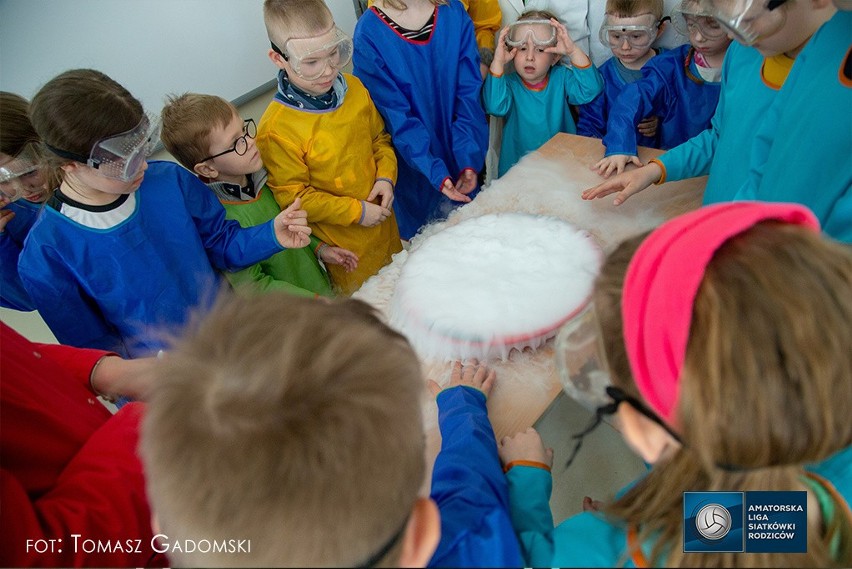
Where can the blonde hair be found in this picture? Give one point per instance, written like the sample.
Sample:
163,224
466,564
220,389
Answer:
187,122
537,15
294,423
401,5
765,385
632,8
286,19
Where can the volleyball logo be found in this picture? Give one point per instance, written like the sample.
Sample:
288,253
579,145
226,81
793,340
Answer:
713,521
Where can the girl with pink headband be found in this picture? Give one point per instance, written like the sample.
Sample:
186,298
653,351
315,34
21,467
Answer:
727,334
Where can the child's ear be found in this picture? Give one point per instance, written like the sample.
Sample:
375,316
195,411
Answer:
206,170
661,29
276,59
422,534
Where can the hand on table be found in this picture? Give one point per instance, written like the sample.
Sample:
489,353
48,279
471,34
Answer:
626,184
525,446
615,164
470,374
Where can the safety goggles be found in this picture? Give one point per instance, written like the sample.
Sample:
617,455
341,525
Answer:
584,374
309,57
120,156
638,36
747,20
540,32
20,176
690,18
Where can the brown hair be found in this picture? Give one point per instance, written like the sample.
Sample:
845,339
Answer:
632,8
536,15
16,130
187,121
765,384
76,109
286,19
294,423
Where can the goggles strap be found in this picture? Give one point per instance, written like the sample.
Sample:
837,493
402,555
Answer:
277,50
69,155
608,409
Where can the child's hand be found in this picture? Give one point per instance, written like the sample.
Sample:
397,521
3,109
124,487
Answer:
503,54
615,164
590,505
626,183
6,215
565,46
451,192
472,374
339,256
525,446
291,226
383,189
373,214
648,126
466,182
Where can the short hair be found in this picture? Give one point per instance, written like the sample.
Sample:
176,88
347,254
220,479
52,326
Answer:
631,8
78,108
537,15
187,122
294,423
16,130
285,19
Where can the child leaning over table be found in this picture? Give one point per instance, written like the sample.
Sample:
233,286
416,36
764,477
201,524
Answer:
533,99
323,141
207,135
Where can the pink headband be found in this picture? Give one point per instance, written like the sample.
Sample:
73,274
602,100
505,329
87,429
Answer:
662,281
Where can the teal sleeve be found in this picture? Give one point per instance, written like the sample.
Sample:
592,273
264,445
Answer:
496,96
583,84
529,504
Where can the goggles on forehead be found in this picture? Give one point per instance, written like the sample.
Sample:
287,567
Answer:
690,17
523,31
584,374
636,36
747,20
120,156
20,176
309,57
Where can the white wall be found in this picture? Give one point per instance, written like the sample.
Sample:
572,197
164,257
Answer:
151,47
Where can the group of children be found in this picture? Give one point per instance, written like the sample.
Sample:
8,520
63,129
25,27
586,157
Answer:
123,249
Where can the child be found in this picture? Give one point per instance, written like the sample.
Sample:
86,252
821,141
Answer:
629,28
323,141
207,135
419,60
719,382
533,99
23,189
752,75
680,86
318,445
811,166
124,248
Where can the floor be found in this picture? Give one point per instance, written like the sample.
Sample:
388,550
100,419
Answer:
603,466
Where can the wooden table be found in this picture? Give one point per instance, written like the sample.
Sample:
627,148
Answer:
547,182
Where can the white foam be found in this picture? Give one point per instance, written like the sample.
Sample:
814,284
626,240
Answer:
493,283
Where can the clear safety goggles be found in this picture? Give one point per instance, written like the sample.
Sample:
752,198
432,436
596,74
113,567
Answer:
120,156
585,377
21,176
747,20
540,32
637,36
690,17
309,57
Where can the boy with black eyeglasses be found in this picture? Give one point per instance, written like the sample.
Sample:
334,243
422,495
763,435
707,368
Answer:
207,135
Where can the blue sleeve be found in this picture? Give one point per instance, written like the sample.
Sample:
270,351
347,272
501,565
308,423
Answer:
646,97
469,487
410,136
469,127
529,498
592,119
12,292
496,95
582,84
229,247
70,313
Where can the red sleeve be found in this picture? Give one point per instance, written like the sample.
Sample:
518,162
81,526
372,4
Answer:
99,497
78,362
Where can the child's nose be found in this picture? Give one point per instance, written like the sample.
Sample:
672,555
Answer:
625,45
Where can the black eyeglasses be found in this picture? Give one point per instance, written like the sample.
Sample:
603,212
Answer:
241,144
618,397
